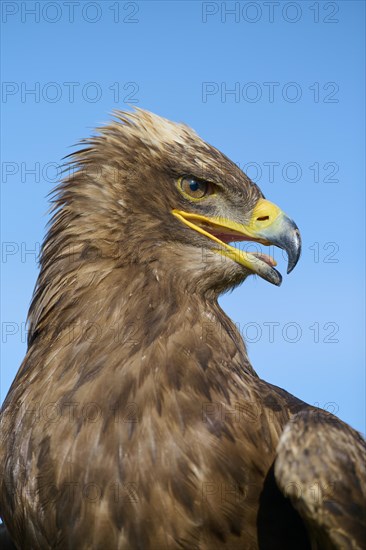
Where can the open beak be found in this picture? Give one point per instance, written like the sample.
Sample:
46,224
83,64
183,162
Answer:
268,225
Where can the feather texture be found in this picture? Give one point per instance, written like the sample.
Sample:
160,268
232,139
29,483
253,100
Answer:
136,420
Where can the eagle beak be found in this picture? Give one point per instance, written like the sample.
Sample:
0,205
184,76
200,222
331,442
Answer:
271,225
268,225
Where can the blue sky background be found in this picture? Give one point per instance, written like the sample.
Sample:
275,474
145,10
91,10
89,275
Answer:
179,59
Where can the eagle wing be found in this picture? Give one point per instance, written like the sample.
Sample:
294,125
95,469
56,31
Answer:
320,467
5,540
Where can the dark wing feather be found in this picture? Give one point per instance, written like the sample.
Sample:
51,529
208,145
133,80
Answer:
320,467
5,540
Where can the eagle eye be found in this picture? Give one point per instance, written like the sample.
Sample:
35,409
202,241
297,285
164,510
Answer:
195,188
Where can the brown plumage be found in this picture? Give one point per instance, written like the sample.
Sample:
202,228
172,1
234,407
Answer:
136,420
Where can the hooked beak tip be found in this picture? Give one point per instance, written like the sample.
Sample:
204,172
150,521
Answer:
293,248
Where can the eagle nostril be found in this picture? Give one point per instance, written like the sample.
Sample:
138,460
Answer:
262,218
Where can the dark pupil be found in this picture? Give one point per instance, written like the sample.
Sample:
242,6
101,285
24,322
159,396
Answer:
194,185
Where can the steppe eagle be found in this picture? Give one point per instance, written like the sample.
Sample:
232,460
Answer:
136,420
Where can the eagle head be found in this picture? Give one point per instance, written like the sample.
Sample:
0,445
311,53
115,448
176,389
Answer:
148,191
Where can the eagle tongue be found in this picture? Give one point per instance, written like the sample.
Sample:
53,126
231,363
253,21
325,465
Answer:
265,258
265,268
